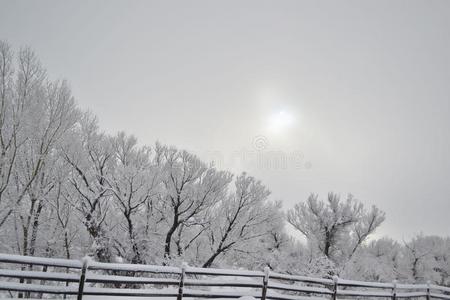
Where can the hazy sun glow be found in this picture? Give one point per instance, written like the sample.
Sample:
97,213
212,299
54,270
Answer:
280,121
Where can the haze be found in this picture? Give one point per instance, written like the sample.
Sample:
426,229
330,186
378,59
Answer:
355,94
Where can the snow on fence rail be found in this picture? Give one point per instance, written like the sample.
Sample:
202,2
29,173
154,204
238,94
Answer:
24,276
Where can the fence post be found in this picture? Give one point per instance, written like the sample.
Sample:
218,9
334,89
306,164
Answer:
265,283
428,290
335,287
82,278
181,286
394,290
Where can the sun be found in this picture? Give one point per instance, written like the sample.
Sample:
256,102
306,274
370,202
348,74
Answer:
280,121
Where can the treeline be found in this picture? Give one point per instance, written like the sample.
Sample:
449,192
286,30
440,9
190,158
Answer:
67,189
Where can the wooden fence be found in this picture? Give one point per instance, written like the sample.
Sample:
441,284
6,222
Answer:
24,276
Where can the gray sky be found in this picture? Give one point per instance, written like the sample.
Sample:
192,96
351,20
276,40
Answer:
354,94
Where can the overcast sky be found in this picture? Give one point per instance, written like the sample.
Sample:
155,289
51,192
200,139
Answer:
308,96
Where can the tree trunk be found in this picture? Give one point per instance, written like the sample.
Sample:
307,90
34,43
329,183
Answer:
170,233
136,259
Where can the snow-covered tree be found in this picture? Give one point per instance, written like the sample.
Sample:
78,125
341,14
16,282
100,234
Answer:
133,182
379,260
190,188
242,218
337,228
90,156
35,115
426,258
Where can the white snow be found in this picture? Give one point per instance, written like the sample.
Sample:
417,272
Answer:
298,288
40,275
55,262
364,293
345,282
301,278
223,272
134,268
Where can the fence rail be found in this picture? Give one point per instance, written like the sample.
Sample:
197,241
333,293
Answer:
21,276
